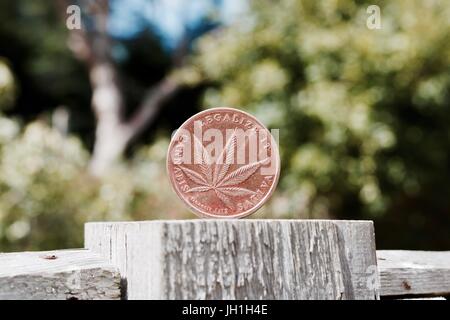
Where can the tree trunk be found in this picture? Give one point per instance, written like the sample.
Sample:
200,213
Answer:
111,136
113,132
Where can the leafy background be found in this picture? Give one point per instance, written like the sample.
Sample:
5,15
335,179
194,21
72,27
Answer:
364,115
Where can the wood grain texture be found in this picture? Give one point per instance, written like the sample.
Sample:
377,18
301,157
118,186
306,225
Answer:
240,259
62,274
414,272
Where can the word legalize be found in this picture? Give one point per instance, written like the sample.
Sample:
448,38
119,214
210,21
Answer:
251,146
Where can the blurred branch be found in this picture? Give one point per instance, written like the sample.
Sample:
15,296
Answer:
158,94
113,133
153,102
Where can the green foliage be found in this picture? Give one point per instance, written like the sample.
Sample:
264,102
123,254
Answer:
363,114
46,195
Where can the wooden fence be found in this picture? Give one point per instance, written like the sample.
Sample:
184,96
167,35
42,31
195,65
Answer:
226,259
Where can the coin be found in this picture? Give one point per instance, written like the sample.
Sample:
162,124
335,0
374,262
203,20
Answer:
223,163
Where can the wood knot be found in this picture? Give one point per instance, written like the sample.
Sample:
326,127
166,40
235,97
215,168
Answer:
406,285
49,257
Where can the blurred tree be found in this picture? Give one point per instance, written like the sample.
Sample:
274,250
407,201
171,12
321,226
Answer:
46,194
93,45
7,86
363,114
126,74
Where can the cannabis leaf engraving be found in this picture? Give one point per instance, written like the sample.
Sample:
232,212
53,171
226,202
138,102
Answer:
216,176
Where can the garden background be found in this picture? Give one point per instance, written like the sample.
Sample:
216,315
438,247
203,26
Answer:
86,114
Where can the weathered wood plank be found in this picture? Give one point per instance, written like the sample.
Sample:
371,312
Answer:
61,274
424,298
414,272
240,259
357,242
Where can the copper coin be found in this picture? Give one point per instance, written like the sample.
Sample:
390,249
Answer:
223,163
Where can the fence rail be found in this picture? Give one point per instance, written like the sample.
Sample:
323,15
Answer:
409,273
226,259
61,274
